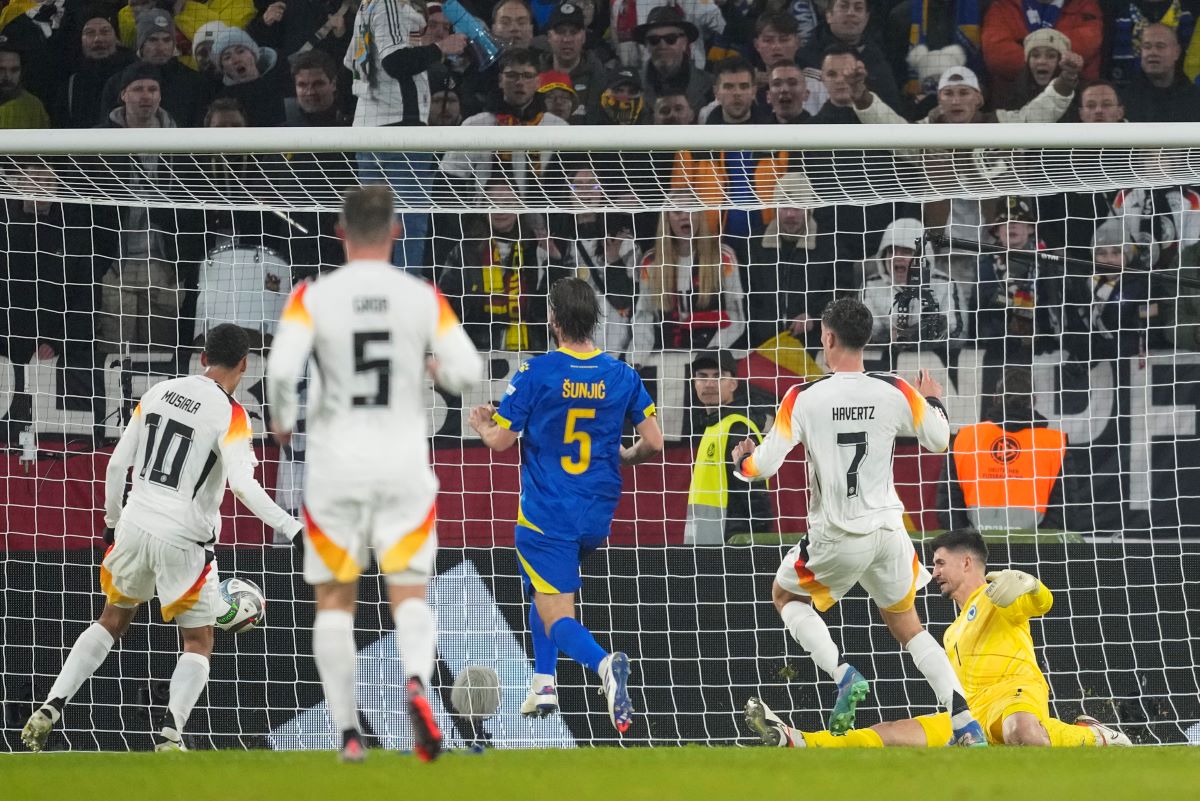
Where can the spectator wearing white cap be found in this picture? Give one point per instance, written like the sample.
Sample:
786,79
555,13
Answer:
1007,23
252,76
1044,50
960,99
202,45
185,94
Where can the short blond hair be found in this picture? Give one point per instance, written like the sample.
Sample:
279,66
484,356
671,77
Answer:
367,214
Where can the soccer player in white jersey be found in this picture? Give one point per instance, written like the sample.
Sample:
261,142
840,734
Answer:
185,438
848,421
373,332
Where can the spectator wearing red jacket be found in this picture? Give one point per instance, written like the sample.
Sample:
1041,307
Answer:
1008,22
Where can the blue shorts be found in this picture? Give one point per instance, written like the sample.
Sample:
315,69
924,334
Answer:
550,565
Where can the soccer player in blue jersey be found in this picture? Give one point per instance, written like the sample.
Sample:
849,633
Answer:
570,405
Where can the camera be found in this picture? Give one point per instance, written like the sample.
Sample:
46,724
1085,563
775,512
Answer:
918,315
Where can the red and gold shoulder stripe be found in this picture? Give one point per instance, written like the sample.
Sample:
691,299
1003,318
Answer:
239,425
447,319
295,311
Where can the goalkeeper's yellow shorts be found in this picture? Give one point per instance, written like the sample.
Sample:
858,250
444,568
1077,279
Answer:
991,714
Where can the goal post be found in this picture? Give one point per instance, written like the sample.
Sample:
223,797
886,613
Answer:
1047,275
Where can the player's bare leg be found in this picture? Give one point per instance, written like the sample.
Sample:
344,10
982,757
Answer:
1023,728
87,654
809,630
930,658
416,640
336,654
557,610
187,682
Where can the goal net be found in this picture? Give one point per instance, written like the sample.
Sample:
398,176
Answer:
1053,291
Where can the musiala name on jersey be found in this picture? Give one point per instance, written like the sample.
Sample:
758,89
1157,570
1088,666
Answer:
181,402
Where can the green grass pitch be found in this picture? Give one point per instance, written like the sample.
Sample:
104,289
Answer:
612,774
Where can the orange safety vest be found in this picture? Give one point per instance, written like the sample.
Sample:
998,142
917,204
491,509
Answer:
998,468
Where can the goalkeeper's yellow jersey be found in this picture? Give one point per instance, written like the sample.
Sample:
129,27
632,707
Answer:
991,648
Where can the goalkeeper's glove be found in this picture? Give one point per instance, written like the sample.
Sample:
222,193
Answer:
1006,586
110,535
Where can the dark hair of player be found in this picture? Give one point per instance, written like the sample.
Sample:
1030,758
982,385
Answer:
962,539
850,321
367,214
226,345
575,308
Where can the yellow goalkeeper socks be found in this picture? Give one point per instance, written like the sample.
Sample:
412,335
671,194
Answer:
855,738
1067,735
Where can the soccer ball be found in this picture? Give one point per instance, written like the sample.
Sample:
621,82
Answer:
244,604
476,693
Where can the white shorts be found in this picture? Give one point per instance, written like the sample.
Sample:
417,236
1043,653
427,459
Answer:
140,566
400,528
824,569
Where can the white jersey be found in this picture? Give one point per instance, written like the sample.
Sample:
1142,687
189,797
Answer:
848,423
369,328
382,27
186,437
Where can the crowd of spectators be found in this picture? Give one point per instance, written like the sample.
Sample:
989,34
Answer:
1087,272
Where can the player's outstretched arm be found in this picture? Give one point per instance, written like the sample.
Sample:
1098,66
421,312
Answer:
285,364
753,461
239,461
649,444
122,459
1018,594
455,364
495,436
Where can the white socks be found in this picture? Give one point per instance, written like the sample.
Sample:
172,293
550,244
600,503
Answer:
932,661
87,654
808,629
416,638
187,682
336,655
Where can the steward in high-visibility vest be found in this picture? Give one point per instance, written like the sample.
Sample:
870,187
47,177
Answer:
1005,472
720,504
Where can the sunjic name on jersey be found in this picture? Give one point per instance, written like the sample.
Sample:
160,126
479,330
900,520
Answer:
571,409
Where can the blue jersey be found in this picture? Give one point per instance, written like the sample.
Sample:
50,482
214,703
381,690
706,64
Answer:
570,409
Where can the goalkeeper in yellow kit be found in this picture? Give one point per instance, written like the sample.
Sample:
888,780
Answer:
991,650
